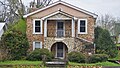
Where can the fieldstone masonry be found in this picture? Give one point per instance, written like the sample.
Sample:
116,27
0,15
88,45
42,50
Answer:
73,44
49,41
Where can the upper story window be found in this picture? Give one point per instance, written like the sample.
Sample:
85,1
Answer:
37,26
82,26
37,45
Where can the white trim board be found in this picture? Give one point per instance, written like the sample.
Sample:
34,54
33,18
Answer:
86,23
64,3
41,25
34,44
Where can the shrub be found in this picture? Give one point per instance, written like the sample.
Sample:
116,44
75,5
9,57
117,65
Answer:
104,43
76,57
98,58
15,42
37,54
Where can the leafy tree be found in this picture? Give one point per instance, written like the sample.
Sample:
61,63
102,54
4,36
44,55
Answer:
16,43
104,43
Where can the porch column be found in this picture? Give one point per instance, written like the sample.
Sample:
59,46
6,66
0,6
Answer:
73,27
45,28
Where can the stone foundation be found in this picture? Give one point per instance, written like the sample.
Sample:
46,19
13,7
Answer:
49,41
73,44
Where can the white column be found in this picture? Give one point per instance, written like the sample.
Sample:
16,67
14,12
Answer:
45,28
73,27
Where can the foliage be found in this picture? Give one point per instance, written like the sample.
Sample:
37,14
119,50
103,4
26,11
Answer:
37,55
98,58
16,43
76,57
104,43
117,57
21,26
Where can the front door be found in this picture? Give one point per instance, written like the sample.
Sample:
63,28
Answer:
60,50
60,29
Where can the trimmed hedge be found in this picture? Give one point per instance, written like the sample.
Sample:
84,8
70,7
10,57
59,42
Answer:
37,54
76,57
98,58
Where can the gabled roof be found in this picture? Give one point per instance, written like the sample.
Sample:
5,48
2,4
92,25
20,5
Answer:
64,3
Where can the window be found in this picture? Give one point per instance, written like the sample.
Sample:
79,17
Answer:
82,26
37,26
37,45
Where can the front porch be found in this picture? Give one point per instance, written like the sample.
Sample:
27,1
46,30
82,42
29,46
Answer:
59,24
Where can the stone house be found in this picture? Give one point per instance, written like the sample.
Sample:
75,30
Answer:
61,28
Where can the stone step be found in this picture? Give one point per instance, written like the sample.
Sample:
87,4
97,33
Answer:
56,64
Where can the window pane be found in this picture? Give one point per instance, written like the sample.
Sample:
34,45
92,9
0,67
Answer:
82,29
37,29
82,26
37,26
38,45
60,25
82,22
37,23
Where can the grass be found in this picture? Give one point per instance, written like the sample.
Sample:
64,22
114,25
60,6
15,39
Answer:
21,26
21,62
25,62
107,64
75,64
96,64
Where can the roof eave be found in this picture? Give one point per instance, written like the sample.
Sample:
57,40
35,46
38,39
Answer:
61,2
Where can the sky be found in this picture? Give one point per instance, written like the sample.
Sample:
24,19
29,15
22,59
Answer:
99,7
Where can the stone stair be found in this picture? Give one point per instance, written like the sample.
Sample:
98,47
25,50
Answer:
56,63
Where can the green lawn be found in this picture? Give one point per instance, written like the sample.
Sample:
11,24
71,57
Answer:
20,62
96,64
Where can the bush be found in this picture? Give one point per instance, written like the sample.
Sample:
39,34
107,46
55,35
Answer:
104,43
37,54
15,42
98,58
76,57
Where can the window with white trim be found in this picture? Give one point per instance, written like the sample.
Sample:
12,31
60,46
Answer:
37,26
82,26
37,45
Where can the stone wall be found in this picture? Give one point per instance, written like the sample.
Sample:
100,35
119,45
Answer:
49,41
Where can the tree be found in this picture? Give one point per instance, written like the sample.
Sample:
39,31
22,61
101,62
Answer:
16,43
12,10
104,43
43,3
40,3
106,21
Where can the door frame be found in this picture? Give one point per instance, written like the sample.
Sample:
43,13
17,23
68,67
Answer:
63,51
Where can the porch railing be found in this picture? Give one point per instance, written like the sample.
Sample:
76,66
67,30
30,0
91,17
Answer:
59,33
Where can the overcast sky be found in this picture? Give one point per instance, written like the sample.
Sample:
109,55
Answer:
99,7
